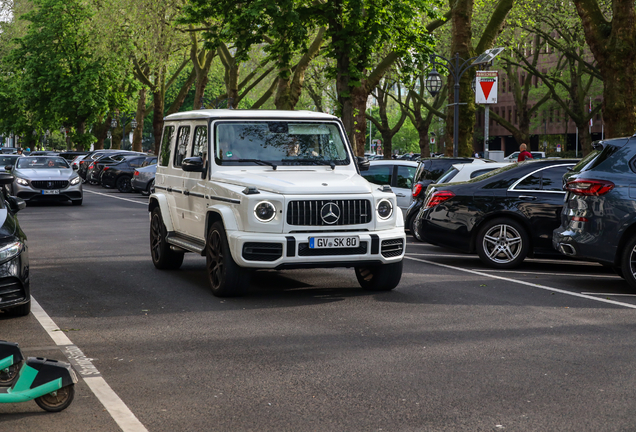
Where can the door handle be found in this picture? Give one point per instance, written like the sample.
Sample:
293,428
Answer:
400,195
527,197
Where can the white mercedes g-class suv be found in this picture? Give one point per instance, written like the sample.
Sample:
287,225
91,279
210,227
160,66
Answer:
270,190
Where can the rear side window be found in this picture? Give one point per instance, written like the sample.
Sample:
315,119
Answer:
553,178
379,174
137,162
437,169
200,143
421,170
168,133
532,182
405,176
448,175
181,147
480,172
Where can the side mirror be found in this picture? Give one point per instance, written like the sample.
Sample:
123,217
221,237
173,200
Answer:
193,164
8,167
363,163
15,204
75,167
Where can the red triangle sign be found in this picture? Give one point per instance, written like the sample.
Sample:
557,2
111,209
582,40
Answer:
486,87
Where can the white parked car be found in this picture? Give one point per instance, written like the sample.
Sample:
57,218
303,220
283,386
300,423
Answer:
270,190
514,157
396,173
464,172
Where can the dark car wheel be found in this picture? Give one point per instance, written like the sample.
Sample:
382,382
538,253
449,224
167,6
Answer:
151,187
227,279
628,262
383,277
410,225
163,257
502,243
123,184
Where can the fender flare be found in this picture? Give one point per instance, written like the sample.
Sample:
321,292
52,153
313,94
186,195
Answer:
224,213
159,200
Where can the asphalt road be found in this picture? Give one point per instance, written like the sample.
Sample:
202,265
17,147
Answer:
456,346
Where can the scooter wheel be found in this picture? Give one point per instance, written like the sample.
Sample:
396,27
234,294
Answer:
58,402
6,378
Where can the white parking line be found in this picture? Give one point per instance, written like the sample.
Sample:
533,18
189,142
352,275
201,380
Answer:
532,260
543,287
84,366
116,197
551,274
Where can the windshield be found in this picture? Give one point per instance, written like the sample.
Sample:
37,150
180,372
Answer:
42,162
279,143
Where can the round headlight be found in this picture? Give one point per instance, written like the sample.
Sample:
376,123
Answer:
265,211
384,209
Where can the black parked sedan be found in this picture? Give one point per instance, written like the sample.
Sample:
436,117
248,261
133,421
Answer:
598,221
120,174
504,215
15,295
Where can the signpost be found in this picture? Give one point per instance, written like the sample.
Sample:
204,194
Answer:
486,87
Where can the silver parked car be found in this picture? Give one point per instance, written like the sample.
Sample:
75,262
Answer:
46,178
144,179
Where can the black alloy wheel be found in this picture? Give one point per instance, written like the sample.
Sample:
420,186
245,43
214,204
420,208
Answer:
57,400
227,279
124,184
502,243
382,277
163,257
628,262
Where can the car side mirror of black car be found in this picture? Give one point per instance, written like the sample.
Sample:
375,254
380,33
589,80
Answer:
363,163
15,204
193,164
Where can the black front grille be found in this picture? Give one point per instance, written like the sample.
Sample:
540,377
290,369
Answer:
304,250
308,213
392,248
49,184
262,251
11,290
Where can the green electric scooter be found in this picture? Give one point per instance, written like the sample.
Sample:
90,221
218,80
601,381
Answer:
50,382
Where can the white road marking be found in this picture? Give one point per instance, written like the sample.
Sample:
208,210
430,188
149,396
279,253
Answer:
610,294
116,197
532,260
84,366
530,272
543,287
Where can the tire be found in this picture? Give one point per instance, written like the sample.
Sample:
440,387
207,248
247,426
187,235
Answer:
163,257
383,277
58,401
410,224
20,311
123,184
151,187
227,279
628,262
77,202
6,378
502,243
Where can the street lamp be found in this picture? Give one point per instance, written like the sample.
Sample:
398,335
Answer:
456,67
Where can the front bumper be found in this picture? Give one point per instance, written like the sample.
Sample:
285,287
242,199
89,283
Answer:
30,193
288,251
14,281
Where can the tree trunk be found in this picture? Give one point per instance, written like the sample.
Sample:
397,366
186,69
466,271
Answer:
360,96
139,118
157,114
102,132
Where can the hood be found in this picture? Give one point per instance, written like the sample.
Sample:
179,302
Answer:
44,173
299,182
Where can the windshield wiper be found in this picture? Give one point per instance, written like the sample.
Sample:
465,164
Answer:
311,161
260,162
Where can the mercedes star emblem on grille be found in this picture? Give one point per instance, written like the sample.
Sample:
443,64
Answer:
330,213
50,184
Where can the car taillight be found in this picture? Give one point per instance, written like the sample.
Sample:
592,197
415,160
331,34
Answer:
81,162
136,172
589,187
105,168
438,198
416,190
579,219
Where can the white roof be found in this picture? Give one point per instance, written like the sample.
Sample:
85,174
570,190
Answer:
394,162
249,114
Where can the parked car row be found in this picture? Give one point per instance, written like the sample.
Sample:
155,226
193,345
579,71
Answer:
114,168
582,209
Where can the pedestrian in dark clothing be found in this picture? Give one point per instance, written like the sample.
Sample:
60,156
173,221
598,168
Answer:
523,153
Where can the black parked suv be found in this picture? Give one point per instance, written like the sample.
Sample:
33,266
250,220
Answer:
120,174
598,221
428,171
504,215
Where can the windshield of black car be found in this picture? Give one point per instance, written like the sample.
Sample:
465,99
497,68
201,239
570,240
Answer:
42,162
280,143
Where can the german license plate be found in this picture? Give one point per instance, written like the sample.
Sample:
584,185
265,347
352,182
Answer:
51,192
333,242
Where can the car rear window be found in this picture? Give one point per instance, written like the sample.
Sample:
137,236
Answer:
448,175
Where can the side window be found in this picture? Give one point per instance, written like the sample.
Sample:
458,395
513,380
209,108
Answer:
168,132
379,174
479,172
181,146
200,143
532,182
437,169
137,162
405,176
553,178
